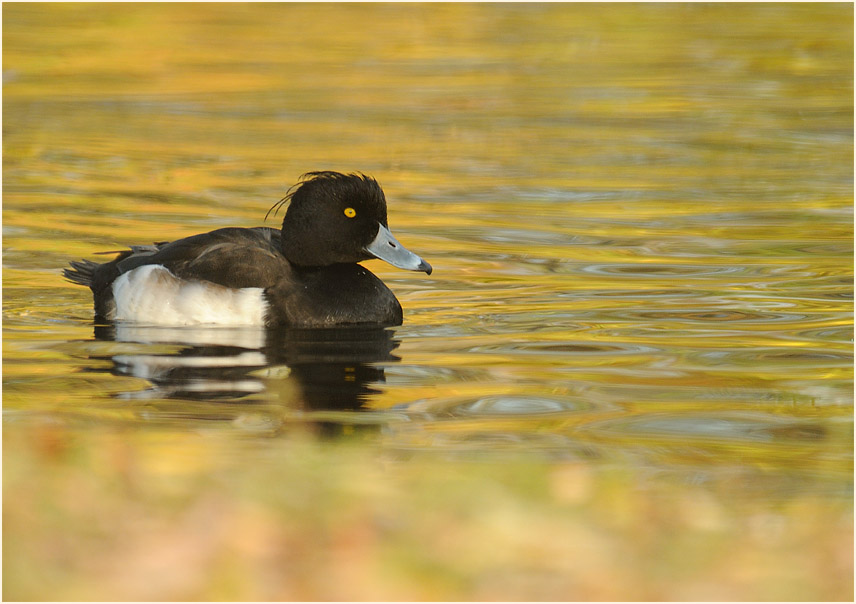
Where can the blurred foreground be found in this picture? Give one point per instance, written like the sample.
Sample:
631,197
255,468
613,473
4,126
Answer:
135,515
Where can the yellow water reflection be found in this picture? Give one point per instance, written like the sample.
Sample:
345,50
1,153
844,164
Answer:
636,345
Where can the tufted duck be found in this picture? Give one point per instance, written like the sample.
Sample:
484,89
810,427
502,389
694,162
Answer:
305,275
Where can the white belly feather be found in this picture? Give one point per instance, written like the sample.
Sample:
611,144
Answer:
152,294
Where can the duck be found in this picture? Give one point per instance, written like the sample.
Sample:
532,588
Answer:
306,274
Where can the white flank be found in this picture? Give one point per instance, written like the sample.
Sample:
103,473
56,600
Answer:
151,294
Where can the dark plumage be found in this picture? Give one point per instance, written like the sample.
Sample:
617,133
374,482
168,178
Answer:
306,274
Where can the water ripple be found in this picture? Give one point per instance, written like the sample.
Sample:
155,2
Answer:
746,427
646,270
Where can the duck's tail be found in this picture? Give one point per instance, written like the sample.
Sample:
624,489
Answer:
81,272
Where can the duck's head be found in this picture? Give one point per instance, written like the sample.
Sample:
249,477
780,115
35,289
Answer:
338,218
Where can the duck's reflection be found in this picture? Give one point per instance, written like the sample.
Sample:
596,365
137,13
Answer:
319,369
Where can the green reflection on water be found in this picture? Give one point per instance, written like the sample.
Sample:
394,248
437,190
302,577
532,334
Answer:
640,218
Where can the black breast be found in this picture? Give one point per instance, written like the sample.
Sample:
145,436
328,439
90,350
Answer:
339,294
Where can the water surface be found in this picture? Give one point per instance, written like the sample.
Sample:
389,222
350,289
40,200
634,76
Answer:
639,217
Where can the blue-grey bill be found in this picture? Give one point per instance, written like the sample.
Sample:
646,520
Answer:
387,248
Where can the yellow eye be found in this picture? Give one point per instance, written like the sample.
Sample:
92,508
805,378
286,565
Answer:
350,212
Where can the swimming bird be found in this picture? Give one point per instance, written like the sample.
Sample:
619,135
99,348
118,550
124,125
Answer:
303,275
